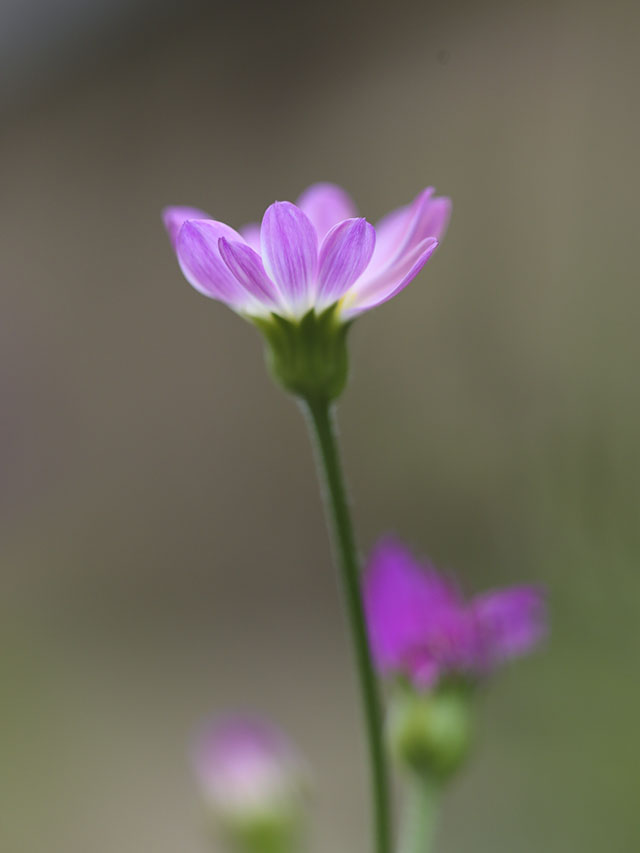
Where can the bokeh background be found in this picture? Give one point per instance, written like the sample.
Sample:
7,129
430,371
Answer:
163,554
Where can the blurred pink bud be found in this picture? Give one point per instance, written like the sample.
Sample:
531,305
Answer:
252,778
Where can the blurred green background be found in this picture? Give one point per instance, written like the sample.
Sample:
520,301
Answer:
163,549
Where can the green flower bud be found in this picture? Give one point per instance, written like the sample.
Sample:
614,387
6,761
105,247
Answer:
267,832
430,733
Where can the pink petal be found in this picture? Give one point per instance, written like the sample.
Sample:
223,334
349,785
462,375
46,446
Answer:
174,217
400,231
290,253
326,204
370,292
344,256
401,598
246,266
425,673
251,234
247,767
430,217
389,233
204,269
510,622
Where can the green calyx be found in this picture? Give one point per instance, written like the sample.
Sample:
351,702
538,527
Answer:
264,833
430,733
308,356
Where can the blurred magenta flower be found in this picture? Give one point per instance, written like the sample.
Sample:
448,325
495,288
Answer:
421,627
310,255
248,770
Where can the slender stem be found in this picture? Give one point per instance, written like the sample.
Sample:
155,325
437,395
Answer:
321,426
420,816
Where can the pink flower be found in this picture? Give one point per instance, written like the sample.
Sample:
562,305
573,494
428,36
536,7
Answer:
310,255
421,627
247,768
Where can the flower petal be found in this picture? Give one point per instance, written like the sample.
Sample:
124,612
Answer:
247,767
425,672
344,256
400,599
370,292
389,233
290,253
251,235
326,204
429,217
174,217
246,266
401,230
510,622
204,269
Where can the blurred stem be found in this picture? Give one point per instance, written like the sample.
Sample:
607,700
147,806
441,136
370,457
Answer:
420,816
322,428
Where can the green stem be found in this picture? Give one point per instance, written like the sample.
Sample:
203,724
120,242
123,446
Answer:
420,816
321,425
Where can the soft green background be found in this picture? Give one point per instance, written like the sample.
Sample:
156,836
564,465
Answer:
163,554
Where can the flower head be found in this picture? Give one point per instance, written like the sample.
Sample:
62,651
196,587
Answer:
246,764
307,256
252,780
420,626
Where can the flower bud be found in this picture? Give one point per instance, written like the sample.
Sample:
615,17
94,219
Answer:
430,733
253,784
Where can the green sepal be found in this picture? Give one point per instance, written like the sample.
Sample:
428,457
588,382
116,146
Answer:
276,832
308,356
